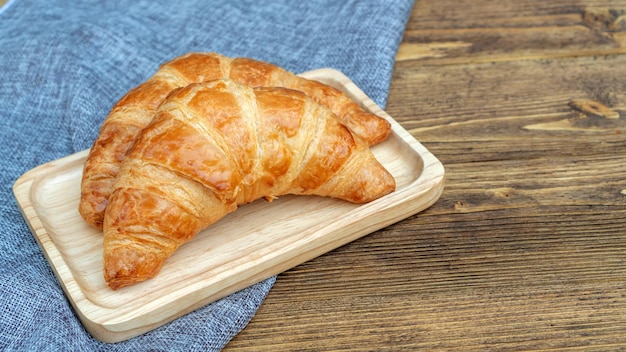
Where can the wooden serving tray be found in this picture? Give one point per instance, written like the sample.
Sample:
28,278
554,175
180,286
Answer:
255,242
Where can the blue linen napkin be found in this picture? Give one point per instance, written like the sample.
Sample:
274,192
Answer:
63,64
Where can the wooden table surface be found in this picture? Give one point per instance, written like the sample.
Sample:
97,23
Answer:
524,102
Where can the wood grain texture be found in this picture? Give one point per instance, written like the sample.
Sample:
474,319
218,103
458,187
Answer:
525,104
455,32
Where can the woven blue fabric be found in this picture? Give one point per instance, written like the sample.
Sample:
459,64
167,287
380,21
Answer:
63,64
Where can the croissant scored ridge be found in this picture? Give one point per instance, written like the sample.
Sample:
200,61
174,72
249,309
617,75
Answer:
214,146
135,110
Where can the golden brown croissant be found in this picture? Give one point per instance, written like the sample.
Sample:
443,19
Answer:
135,110
214,146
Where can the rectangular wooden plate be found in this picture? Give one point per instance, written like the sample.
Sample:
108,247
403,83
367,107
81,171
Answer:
255,242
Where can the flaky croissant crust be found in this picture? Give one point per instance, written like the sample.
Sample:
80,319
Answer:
135,110
214,146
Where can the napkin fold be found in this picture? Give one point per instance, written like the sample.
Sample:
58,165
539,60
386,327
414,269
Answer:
63,64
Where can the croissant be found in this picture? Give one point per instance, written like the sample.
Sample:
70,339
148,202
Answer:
214,146
135,110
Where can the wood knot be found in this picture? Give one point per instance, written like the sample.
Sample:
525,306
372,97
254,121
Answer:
604,19
461,205
590,115
503,193
593,108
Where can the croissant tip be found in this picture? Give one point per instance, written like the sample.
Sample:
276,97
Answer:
372,128
128,265
92,212
383,136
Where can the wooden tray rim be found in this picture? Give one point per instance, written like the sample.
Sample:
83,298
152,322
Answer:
427,187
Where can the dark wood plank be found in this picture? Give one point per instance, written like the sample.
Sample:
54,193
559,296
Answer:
515,109
525,248
449,31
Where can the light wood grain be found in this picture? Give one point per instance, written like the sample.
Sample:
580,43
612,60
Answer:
523,101
257,241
